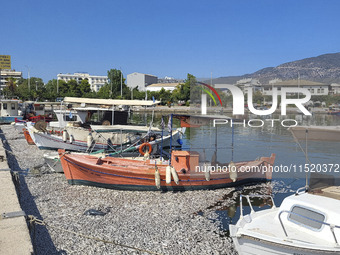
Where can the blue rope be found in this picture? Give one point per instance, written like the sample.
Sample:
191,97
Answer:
170,139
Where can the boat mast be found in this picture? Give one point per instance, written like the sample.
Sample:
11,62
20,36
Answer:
306,154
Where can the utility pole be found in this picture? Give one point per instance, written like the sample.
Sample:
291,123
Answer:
298,83
28,78
121,83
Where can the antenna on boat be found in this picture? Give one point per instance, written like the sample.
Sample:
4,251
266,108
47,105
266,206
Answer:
232,143
306,154
162,125
305,151
170,137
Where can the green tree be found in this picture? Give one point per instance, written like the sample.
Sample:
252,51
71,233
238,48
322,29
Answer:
116,84
52,86
164,96
114,76
182,91
84,87
31,89
38,89
74,89
63,88
104,92
11,88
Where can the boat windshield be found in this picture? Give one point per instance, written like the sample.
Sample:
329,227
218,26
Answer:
309,223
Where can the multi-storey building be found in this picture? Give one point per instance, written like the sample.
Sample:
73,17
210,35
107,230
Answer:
95,81
6,74
315,88
140,80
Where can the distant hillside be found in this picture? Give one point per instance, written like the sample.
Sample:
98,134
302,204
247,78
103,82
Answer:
324,68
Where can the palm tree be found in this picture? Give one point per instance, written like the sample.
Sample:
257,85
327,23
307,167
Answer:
11,87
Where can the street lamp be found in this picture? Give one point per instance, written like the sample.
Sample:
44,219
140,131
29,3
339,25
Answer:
121,83
28,77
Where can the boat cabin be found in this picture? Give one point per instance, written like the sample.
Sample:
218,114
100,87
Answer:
9,107
306,213
185,160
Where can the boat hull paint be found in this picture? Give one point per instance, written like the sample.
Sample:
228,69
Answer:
28,138
9,119
164,188
132,174
253,246
46,141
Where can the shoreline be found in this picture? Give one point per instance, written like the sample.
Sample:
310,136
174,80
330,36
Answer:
217,110
163,223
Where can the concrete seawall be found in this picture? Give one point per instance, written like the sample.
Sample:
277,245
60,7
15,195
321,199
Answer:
14,234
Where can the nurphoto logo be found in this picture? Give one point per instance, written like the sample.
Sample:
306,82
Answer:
238,100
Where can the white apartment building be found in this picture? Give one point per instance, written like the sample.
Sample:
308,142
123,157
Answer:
5,74
140,80
335,89
315,88
95,81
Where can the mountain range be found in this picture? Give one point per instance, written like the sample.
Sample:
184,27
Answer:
324,68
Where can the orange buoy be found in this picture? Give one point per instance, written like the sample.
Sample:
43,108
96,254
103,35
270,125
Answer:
141,148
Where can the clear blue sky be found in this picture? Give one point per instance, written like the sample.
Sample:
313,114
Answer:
170,38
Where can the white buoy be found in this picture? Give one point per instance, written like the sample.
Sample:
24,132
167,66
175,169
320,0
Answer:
65,136
157,178
207,171
232,171
89,140
168,174
174,175
146,155
71,138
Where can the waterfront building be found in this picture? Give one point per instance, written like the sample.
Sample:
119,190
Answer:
159,86
315,88
95,81
140,80
6,74
245,83
335,89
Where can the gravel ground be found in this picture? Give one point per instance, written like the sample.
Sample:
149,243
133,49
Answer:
162,223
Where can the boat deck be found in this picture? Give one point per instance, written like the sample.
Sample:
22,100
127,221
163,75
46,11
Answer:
272,231
331,192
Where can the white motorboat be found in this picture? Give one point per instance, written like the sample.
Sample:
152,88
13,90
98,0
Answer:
306,223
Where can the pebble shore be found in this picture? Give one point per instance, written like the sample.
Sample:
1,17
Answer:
147,222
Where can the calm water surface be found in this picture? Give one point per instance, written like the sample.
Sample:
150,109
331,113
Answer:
246,143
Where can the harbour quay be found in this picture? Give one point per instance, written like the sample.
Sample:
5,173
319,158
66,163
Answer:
14,233
71,219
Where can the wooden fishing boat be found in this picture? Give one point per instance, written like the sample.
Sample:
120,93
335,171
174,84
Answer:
184,171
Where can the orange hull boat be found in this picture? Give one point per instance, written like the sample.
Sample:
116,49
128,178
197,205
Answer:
28,137
133,174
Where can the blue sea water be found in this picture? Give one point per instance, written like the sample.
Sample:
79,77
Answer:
248,143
